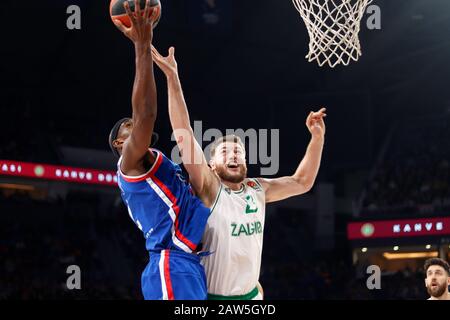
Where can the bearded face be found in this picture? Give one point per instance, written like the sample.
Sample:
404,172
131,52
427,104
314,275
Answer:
437,281
229,162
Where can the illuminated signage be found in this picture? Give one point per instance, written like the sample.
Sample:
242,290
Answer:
398,228
59,173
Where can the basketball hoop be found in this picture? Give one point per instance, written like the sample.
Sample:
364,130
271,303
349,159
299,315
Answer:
333,28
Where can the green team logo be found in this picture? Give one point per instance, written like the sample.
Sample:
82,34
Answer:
252,207
39,171
367,230
247,229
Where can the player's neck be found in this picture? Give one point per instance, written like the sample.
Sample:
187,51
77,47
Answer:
233,186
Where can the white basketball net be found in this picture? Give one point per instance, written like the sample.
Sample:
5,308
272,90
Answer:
333,27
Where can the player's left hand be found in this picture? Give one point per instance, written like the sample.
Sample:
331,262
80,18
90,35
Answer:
168,64
315,123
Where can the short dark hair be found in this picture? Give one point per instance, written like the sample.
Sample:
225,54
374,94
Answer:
228,138
115,132
113,136
436,262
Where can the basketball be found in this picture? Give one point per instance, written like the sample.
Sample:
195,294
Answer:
117,10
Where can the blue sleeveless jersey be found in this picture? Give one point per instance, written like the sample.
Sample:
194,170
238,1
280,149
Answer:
162,205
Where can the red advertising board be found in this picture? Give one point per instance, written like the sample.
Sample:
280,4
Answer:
60,173
398,228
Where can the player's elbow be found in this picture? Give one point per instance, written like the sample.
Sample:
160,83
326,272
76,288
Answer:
149,115
308,186
304,183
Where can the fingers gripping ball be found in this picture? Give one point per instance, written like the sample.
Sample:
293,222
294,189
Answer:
117,10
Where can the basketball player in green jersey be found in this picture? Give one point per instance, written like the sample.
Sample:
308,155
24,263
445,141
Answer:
234,232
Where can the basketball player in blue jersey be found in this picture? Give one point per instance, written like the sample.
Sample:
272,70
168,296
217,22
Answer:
158,199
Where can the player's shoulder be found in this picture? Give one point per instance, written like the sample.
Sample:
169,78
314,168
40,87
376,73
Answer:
254,184
165,167
157,153
158,160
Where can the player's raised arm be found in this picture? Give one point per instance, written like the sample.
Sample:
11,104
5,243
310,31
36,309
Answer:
304,177
204,181
144,100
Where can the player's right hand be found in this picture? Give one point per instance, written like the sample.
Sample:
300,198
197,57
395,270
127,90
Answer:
168,64
141,29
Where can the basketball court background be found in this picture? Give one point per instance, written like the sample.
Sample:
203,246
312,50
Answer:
242,65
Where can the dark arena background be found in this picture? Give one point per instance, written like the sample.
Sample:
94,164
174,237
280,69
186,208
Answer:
382,196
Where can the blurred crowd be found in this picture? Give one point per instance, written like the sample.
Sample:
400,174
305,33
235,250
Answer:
37,136
292,269
320,279
413,177
40,240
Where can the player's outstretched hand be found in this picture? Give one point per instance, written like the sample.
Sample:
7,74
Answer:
141,29
168,64
315,123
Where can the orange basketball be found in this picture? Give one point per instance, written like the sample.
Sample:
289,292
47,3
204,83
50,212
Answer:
117,10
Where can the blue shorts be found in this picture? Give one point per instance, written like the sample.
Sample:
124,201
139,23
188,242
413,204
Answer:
174,275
